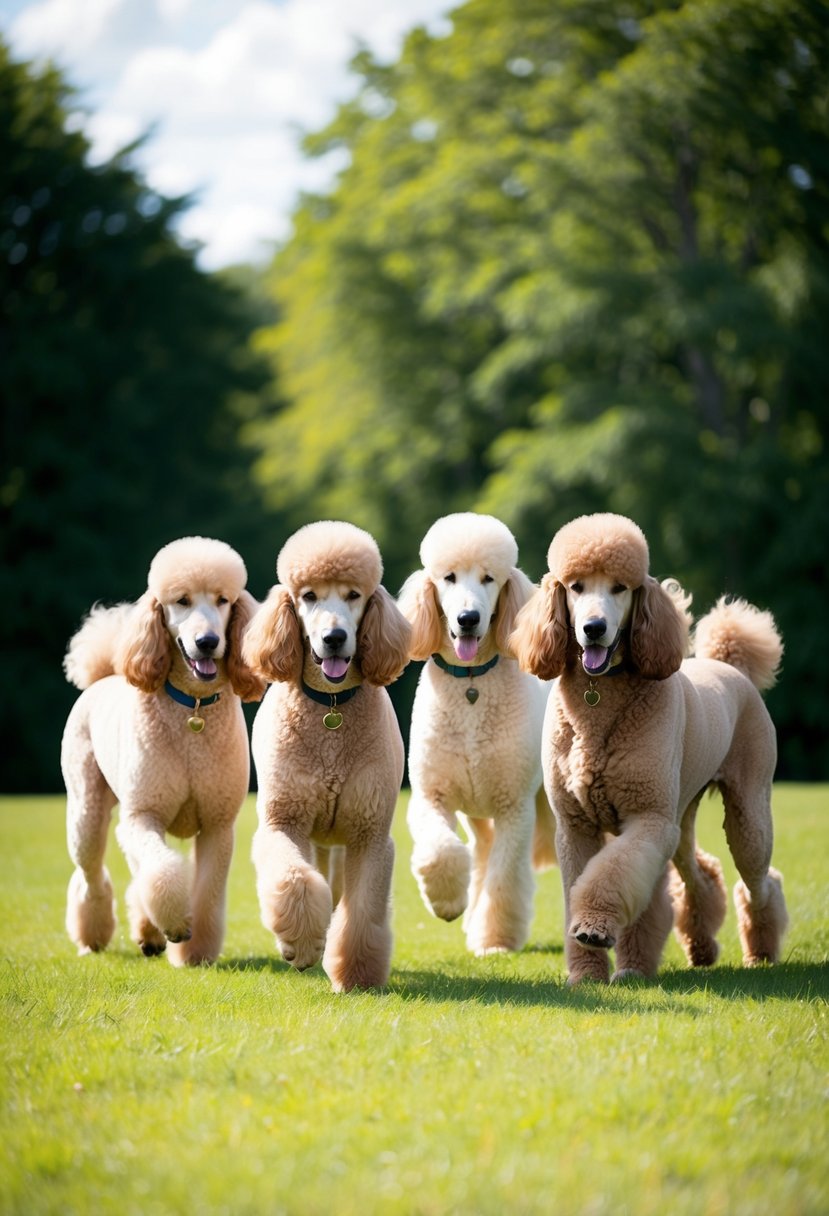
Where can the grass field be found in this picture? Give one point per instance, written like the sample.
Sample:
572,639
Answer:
467,1086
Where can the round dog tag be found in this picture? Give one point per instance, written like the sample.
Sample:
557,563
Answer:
333,720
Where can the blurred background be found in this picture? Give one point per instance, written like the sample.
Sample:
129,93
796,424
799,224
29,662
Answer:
265,263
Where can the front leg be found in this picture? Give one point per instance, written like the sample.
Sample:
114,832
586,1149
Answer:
159,896
618,883
440,859
575,849
500,918
358,951
294,898
214,850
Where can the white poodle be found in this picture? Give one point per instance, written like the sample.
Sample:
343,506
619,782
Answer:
475,743
159,729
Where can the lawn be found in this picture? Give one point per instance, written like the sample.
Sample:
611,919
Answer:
468,1086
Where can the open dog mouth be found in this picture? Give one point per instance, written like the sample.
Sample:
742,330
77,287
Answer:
203,668
334,667
595,660
466,645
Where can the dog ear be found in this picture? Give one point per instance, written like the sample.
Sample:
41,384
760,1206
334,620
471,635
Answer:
272,643
383,639
418,601
541,635
145,653
245,683
658,632
515,593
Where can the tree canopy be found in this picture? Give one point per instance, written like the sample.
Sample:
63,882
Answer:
577,261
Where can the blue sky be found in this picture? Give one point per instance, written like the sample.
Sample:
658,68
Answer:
225,86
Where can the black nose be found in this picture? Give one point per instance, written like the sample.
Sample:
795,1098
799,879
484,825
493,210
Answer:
334,638
468,619
595,628
207,641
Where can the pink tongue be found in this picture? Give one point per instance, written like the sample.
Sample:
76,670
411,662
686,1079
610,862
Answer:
594,657
466,648
334,668
205,667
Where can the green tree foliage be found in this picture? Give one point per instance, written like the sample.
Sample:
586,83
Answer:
577,261
124,377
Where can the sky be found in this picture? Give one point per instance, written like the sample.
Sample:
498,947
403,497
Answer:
225,87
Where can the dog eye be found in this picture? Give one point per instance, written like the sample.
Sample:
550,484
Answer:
577,588
488,578
618,589
309,596
353,595
184,601
222,600
449,578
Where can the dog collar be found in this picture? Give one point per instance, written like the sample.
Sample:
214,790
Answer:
333,720
469,673
195,722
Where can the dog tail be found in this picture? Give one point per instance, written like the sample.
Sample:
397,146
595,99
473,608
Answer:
737,633
92,651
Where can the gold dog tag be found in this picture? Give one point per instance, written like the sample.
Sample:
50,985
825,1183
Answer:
333,720
196,724
592,696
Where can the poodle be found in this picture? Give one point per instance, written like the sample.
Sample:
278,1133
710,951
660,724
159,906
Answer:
634,735
159,729
475,743
328,752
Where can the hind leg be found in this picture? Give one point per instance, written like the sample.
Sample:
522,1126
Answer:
758,895
639,949
699,896
90,906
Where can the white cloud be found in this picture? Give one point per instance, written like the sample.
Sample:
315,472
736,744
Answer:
225,86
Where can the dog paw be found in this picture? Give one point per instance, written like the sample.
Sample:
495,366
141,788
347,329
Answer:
150,949
182,933
626,973
301,954
597,936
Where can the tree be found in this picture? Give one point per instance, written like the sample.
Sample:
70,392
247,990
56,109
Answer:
126,374
578,261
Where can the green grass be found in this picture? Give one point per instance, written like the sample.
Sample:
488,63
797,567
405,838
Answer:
467,1086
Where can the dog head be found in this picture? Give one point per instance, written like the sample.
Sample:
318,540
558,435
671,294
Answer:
598,604
465,599
329,615
191,619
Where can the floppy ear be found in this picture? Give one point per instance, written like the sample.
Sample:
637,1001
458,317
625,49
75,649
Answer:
145,652
541,635
658,632
418,601
515,593
383,639
272,643
245,683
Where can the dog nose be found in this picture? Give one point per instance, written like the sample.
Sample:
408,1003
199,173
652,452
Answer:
207,641
595,628
469,619
334,638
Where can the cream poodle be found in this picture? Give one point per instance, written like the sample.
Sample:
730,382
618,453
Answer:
634,736
475,744
160,730
328,751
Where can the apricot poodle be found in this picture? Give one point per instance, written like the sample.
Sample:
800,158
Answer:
328,751
634,735
159,729
475,742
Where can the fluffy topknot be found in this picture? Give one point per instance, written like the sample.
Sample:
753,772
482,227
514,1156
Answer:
330,551
196,563
608,543
467,539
